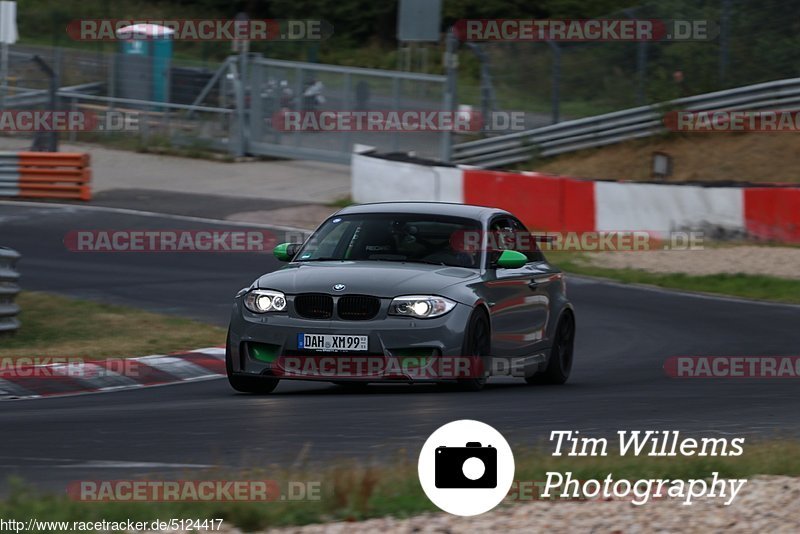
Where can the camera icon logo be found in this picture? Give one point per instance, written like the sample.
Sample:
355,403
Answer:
472,466
466,467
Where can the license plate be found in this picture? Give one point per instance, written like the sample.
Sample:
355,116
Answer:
332,342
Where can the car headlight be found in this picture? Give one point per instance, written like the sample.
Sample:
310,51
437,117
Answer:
421,306
264,300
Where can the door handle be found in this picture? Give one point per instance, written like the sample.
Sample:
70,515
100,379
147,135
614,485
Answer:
536,282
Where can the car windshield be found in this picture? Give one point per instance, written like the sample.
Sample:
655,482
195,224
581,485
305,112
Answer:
408,238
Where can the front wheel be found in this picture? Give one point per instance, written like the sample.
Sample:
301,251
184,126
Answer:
247,384
253,384
477,342
560,364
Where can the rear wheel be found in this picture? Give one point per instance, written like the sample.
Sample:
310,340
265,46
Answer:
477,342
247,384
560,364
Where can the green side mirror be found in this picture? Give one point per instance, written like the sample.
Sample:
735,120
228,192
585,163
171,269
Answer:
511,259
285,251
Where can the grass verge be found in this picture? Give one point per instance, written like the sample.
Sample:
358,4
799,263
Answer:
53,325
342,202
723,157
748,286
352,491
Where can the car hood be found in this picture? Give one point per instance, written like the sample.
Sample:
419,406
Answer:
380,279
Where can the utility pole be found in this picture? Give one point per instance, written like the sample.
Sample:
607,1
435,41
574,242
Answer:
8,35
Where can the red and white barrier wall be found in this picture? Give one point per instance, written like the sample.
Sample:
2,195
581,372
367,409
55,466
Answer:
560,203
376,179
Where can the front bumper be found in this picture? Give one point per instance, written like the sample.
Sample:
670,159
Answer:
392,341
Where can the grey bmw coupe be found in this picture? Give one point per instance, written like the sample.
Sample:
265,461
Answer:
405,292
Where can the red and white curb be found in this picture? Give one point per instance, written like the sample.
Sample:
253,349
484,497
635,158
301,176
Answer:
111,375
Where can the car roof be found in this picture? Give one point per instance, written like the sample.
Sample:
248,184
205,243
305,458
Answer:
452,209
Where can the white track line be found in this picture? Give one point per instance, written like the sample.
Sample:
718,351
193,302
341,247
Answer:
683,293
126,211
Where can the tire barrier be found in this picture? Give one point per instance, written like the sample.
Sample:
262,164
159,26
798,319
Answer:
57,175
9,289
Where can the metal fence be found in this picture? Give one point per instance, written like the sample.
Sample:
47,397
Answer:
99,83
618,126
753,41
8,290
227,106
284,85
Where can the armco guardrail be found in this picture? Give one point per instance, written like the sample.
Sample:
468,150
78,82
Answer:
45,175
620,126
8,290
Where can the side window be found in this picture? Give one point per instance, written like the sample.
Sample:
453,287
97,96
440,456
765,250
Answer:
501,233
525,242
510,234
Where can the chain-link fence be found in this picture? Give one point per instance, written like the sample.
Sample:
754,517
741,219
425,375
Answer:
281,86
230,106
163,99
754,41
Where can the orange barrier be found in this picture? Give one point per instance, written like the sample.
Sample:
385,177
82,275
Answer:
54,175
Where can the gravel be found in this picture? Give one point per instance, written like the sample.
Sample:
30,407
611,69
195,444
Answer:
782,262
765,504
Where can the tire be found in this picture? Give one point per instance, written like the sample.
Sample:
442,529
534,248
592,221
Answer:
477,342
260,385
561,354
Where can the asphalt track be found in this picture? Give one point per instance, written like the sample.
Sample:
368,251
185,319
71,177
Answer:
624,336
